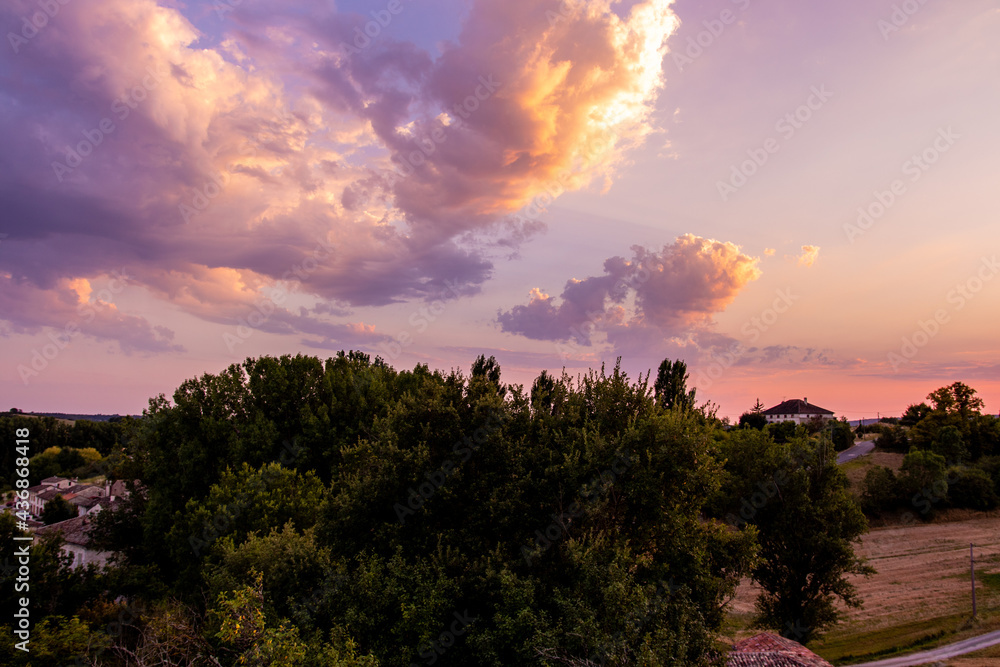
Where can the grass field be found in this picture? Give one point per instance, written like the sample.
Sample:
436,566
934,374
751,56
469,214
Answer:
921,596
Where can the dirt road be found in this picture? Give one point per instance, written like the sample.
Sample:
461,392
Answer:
941,653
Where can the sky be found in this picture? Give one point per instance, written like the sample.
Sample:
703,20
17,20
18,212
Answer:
796,199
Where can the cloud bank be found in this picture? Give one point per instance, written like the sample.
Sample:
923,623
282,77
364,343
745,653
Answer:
211,159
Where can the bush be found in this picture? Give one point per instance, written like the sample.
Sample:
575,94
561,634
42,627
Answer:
862,429
991,466
893,439
922,481
972,489
879,490
842,435
782,432
753,420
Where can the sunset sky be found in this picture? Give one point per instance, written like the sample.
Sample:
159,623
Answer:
798,199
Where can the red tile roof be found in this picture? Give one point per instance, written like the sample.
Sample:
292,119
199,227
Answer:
770,650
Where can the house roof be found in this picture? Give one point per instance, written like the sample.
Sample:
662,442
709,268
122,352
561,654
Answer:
84,490
53,480
49,494
770,650
797,406
74,530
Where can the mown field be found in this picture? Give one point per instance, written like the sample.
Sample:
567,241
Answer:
921,596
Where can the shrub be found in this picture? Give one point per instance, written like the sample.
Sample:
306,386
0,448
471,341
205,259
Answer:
972,489
893,439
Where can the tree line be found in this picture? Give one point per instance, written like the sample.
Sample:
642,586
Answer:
300,511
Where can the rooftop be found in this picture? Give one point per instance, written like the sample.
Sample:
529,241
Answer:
74,531
770,650
797,406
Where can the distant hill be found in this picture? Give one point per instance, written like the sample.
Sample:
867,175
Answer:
67,417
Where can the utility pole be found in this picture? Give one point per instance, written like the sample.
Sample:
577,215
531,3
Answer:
972,570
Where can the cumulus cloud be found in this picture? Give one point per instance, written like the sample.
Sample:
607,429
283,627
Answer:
650,296
213,166
73,309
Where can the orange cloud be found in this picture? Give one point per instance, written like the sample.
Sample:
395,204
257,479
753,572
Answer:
809,255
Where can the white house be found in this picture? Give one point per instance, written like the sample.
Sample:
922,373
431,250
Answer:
49,488
77,541
798,410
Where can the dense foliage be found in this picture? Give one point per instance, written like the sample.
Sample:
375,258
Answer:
300,512
952,450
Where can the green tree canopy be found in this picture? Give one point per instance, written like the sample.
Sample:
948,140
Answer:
58,509
670,387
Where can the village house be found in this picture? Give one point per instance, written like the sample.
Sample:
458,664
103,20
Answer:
77,540
798,410
83,496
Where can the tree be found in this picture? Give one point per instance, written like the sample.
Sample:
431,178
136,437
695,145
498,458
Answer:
971,488
841,434
914,414
950,445
922,481
808,524
670,387
758,408
58,509
958,398
753,420
893,439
